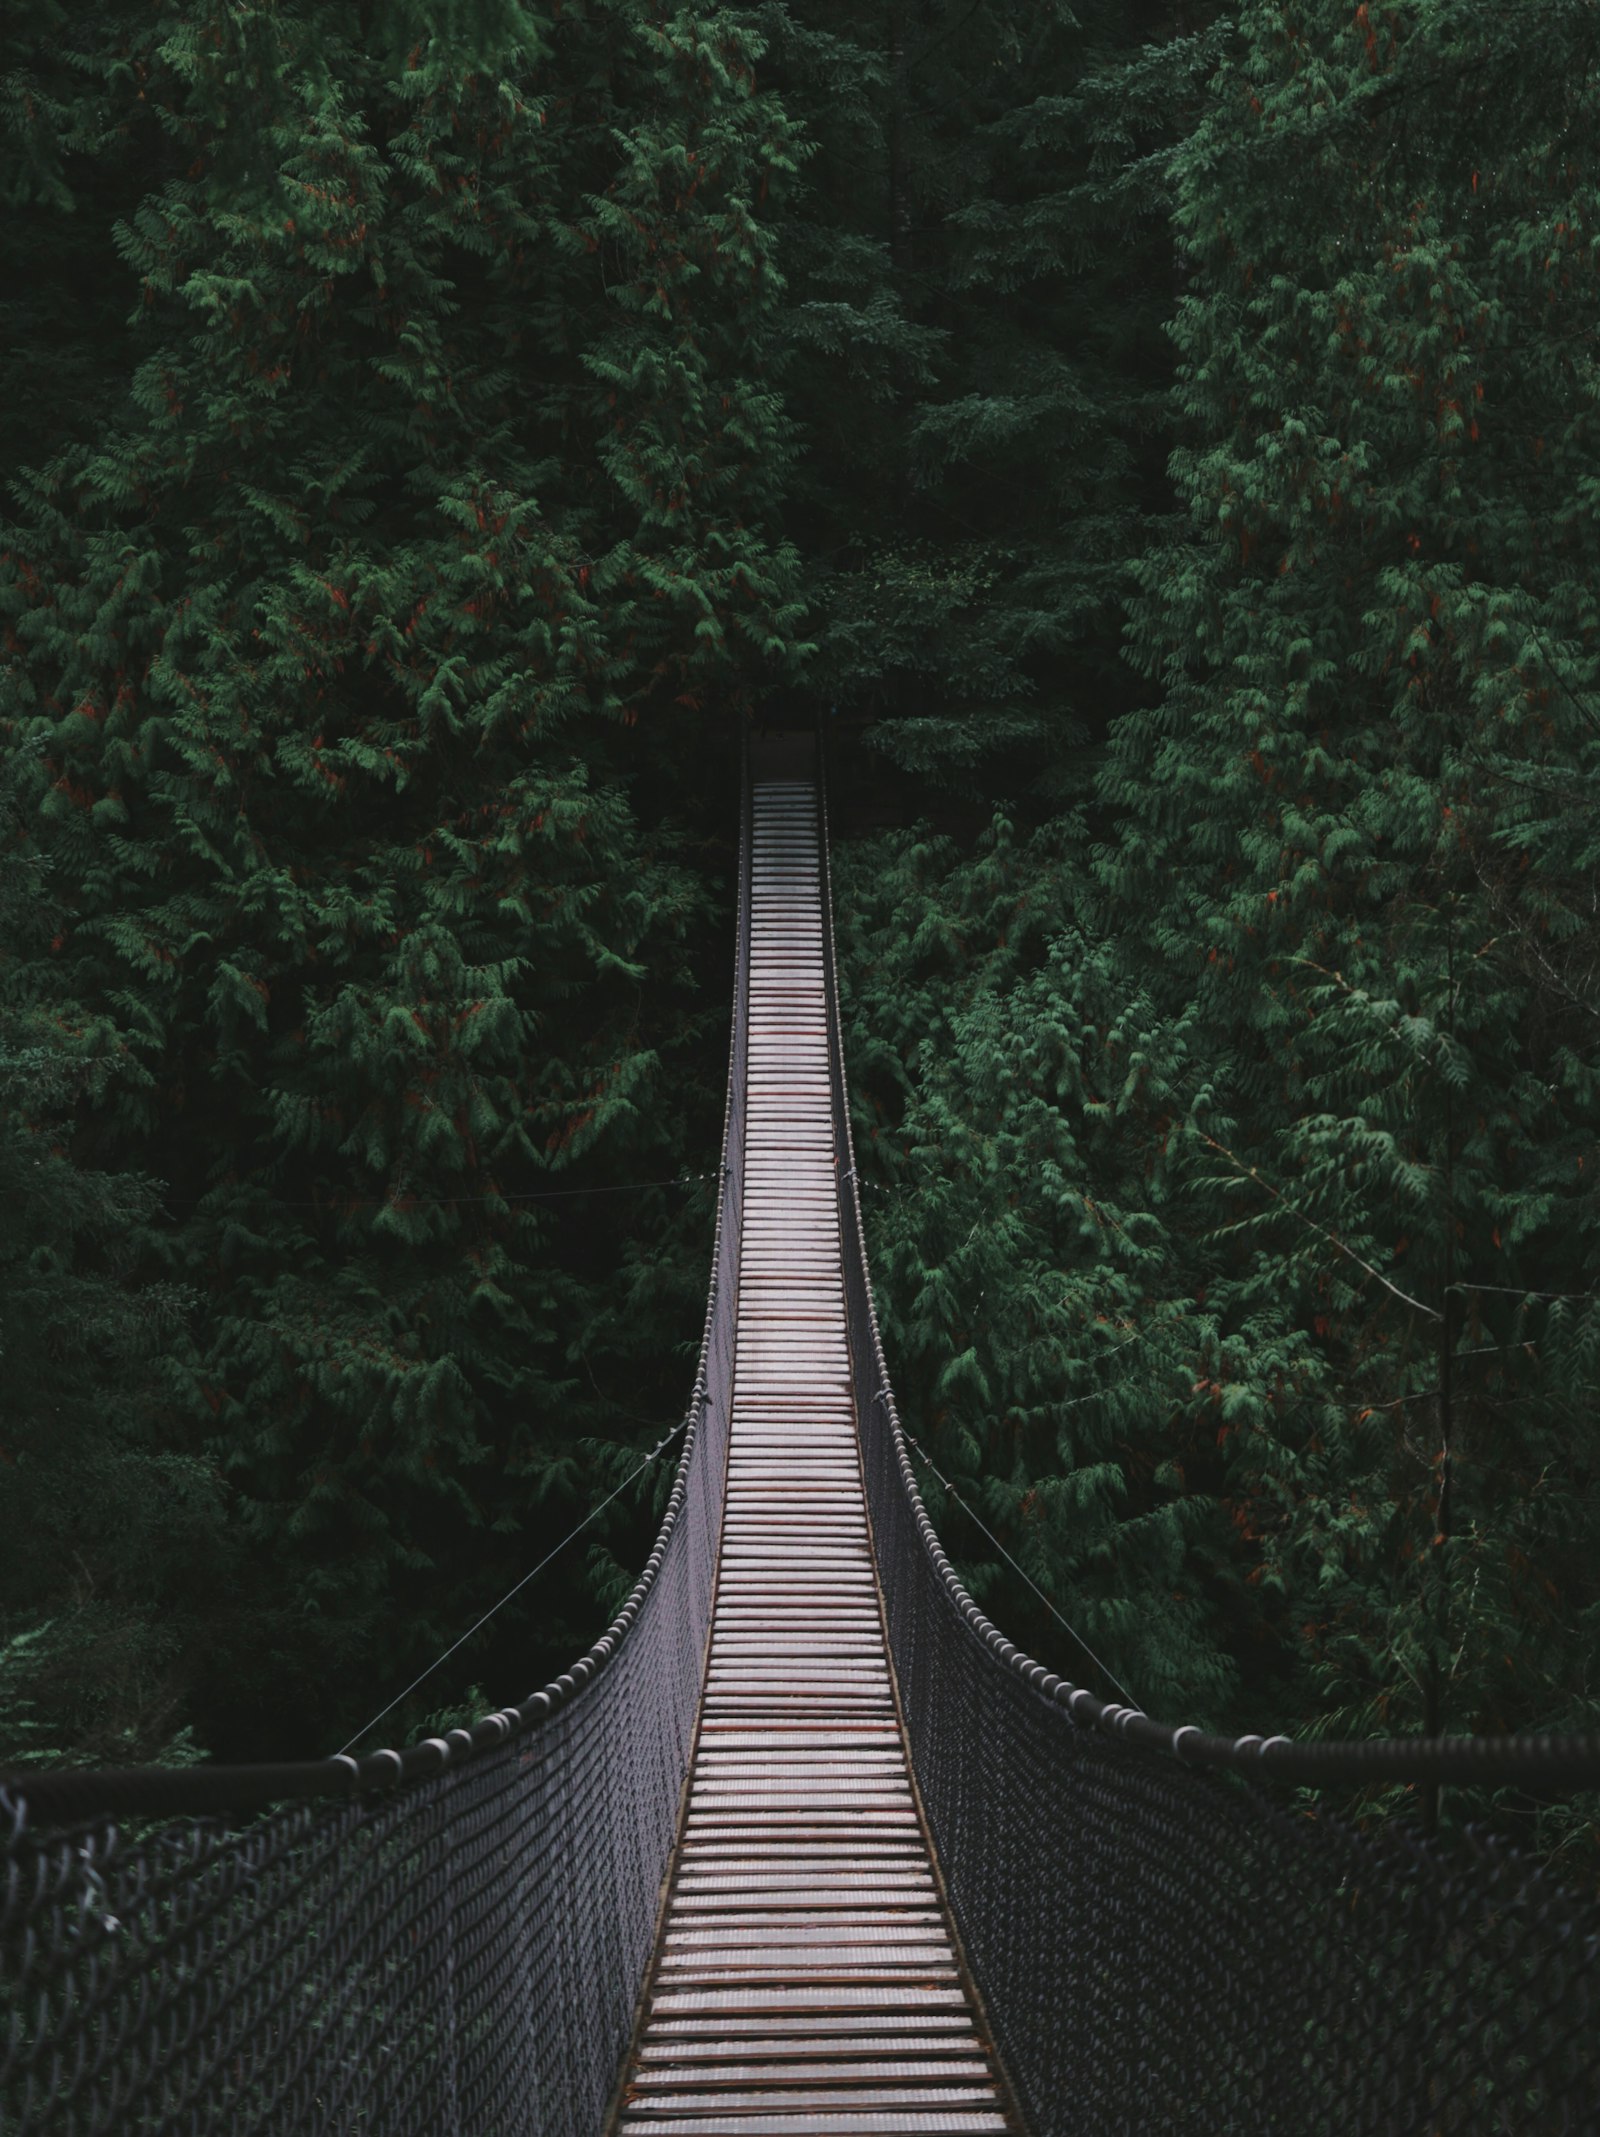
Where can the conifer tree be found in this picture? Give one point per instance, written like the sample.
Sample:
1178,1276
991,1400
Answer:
976,360
1306,1053
97,1622
366,659
1037,1306
1364,796
1002,1063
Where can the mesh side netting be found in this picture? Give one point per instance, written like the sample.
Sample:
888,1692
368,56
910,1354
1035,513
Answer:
459,1953
1161,1949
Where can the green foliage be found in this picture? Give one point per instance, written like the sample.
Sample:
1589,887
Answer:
356,673
1292,1091
100,1514
1030,1288
975,357
1377,645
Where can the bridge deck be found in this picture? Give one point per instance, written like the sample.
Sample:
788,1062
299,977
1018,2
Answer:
806,1980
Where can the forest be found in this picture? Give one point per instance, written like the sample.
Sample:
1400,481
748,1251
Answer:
1158,443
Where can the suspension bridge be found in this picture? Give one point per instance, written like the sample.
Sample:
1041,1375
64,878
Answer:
802,1846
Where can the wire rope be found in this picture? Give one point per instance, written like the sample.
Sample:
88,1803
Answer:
972,1515
655,1452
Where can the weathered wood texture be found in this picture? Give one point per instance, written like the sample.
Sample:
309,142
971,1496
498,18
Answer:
806,1980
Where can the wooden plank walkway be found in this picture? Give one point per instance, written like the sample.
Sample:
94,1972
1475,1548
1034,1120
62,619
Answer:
806,1981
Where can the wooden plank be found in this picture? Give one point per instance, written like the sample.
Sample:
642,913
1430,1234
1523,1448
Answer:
818,2122
798,2071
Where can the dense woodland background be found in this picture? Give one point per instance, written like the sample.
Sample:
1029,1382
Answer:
1161,438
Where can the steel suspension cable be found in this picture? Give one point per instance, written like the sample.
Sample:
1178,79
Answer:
977,1519
593,1514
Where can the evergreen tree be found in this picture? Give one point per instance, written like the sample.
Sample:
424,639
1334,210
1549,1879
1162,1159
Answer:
976,362
1364,793
1306,1052
1011,1087
402,536
97,1623
1037,1308
366,659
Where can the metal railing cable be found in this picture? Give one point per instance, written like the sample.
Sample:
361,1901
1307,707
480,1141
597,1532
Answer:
1161,1944
1021,1571
442,1941
647,1461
